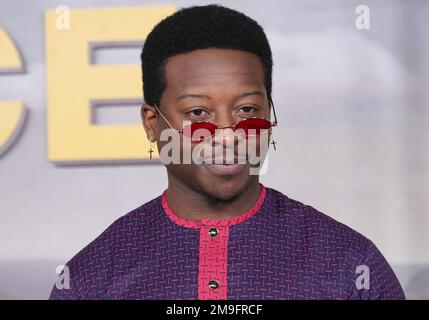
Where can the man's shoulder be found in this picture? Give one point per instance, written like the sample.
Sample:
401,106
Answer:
316,226
135,220
333,245
100,253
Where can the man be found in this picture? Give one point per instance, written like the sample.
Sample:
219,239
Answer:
216,232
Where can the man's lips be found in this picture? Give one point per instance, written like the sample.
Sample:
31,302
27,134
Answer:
226,166
225,169
226,161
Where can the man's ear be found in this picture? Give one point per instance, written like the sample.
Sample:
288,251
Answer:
149,117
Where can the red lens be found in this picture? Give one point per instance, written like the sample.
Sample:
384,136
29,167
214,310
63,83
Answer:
199,131
253,126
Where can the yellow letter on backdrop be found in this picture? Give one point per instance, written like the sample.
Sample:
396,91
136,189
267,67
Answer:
12,113
73,82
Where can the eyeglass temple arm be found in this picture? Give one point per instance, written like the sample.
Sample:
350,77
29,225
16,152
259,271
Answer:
274,112
165,119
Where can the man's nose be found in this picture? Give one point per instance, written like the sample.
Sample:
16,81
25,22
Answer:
225,135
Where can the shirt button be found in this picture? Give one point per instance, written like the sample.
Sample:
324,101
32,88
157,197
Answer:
213,284
213,232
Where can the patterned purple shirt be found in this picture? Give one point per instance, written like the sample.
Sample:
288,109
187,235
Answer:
280,249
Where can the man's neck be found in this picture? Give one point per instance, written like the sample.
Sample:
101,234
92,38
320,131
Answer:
192,205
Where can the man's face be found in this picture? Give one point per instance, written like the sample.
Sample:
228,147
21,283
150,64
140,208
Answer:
222,86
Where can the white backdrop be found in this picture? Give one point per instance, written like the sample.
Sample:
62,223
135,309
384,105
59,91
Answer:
353,139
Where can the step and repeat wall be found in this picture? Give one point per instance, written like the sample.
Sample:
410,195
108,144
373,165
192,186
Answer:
350,85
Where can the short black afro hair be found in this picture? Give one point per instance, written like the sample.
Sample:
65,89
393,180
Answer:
200,27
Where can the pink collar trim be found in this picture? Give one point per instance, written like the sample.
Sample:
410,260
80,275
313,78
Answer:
213,222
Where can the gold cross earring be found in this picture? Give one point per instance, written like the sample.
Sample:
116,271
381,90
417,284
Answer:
274,142
152,146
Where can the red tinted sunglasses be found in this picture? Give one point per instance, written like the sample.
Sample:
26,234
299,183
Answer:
201,130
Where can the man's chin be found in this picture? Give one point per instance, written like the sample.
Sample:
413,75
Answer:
226,190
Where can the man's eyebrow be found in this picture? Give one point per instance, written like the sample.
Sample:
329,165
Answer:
191,95
253,93
199,96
